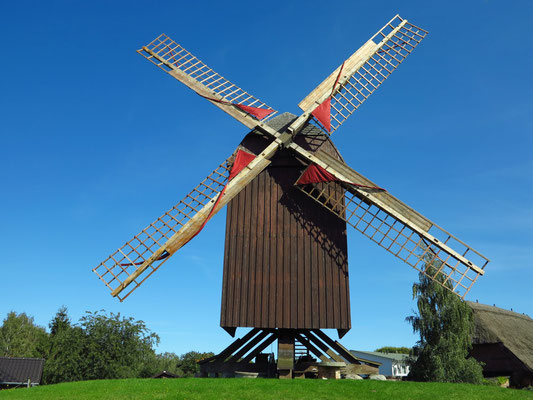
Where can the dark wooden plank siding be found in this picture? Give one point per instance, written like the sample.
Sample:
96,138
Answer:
285,258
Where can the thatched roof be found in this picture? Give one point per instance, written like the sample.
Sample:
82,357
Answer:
513,330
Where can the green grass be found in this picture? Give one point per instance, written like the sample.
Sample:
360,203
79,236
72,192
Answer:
259,389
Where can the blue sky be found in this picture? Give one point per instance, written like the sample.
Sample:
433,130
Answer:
96,143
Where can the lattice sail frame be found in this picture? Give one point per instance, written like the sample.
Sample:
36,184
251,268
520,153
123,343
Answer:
399,239
169,55
114,270
373,64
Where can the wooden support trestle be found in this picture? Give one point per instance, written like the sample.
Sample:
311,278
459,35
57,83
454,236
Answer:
332,359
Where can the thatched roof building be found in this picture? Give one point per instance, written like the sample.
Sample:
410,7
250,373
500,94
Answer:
503,340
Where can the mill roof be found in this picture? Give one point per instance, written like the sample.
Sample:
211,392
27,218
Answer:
390,356
512,329
283,120
16,370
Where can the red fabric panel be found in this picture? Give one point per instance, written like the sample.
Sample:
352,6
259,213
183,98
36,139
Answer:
242,159
258,113
210,214
315,174
323,114
337,80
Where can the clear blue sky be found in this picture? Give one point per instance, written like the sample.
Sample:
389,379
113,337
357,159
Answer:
96,143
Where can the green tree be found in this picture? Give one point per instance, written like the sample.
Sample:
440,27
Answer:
65,358
395,350
100,346
189,362
116,347
65,361
169,362
185,365
60,322
445,325
20,337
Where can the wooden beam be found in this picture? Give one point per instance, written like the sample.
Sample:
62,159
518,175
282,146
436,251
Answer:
235,345
285,350
203,91
323,347
260,348
361,369
337,347
312,348
249,346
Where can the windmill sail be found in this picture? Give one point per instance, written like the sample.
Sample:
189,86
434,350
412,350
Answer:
194,73
146,250
395,226
363,72
140,257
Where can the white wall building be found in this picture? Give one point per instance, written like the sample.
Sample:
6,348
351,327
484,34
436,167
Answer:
392,364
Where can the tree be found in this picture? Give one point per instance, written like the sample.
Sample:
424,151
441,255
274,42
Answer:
65,361
116,347
20,337
445,325
169,362
65,358
395,350
60,322
185,365
99,347
189,362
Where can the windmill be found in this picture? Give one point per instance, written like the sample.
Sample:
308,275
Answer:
290,199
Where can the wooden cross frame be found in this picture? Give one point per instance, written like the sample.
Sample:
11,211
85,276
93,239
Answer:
380,216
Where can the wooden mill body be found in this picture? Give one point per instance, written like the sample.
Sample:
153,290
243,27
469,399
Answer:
285,259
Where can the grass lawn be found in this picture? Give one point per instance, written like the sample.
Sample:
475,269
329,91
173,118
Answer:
259,389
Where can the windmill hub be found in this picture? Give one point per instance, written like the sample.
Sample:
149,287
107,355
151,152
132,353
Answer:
290,198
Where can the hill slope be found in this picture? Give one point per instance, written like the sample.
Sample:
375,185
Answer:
254,389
